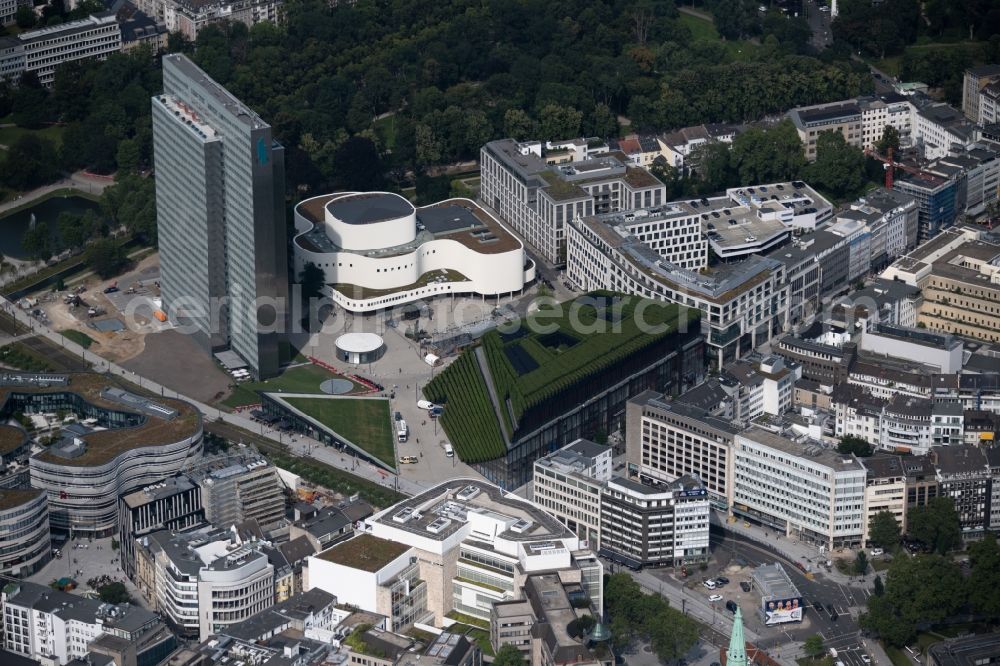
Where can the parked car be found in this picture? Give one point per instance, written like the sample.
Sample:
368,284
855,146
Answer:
408,460
715,597
110,290
731,606
745,586
818,605
877,552
721,580
710,584
398,416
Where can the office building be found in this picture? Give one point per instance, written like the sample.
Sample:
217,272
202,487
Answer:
646,522
760,387
668,440
825,356
204,580
957,274
567,484
538,197
940,350
174,504
121,442
889,218
973,650
377,251
973,83
538,625
8,10
811,121
889,302
921,480
58,628
460,546
885,490
220,196
41,51
963,474
798,487
25,542
935,197
993,461
237,487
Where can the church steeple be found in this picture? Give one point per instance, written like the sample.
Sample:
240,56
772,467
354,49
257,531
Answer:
737,653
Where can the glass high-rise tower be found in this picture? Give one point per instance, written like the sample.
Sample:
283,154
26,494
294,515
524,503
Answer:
220,181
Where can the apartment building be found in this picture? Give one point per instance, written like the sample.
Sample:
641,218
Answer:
204,580
760,387
640,149
41,51
678,147
55,627
963,474
669,440
973,83
883,301
811,121
885,490
539,199
976,172
173,504
880,111
993,460
648,522
189,17
939,129
989,104
889,219
463,545
567,484
799,487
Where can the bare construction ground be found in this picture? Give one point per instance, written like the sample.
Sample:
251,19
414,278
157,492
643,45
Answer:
176,361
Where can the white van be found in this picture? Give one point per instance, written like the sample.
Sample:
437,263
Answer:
425,404
833,652
448,451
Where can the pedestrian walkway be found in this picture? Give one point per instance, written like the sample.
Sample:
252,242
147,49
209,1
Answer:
297,444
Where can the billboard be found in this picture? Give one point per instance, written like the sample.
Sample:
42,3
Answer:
784,610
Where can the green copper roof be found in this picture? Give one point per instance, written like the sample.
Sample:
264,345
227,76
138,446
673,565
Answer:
737,653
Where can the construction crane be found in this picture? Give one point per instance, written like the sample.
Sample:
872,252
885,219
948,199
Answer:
891,166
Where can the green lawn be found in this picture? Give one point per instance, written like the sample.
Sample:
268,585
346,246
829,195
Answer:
702,29
364,421
79,338
9,135
897,656
385,128
699,27
300,379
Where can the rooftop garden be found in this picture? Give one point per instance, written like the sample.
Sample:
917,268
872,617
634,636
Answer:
555,351
305,378
365,552
366,422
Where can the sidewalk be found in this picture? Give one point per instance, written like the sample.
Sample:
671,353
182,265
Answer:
80,180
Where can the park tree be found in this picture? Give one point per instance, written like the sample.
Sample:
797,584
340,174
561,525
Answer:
861,563
509,655
358,166
518,125
814,647
712,164
37,242
25,17
839,167
889,139
768,155
558,122
935,525
106,257
849,444
921,589
28,163
115,593
984,576
883,530
879,586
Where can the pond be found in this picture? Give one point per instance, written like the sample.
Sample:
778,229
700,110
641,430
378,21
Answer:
12,227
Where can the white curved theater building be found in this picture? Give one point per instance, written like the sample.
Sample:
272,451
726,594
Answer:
377,251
